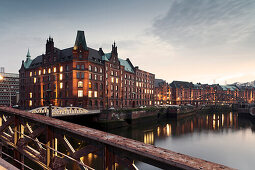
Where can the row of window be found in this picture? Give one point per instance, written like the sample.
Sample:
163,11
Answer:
90,93
95,69
95,77
48,70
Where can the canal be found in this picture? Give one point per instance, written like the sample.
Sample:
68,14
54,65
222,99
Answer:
224,138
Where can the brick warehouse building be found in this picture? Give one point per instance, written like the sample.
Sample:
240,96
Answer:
84,77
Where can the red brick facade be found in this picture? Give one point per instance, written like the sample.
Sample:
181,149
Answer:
83,77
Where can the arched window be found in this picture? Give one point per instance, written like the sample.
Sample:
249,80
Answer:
80,84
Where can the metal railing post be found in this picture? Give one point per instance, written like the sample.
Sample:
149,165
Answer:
17,135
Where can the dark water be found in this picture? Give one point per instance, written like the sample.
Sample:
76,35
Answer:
224,138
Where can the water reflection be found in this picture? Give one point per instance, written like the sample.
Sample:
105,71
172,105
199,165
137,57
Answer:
217,137
223,138
213,122
148,137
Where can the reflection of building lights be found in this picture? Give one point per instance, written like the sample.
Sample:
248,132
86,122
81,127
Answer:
214,121
168,129
230,117
148,138
222,119
158,131
90,156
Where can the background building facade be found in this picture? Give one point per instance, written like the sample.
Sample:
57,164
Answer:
9,88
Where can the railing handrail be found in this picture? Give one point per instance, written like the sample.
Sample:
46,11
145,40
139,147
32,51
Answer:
148,153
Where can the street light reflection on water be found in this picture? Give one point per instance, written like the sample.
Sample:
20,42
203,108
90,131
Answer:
224,138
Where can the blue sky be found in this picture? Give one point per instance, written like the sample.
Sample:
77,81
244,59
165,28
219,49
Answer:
194,40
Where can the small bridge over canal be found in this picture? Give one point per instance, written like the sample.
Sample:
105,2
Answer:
55,144
64,111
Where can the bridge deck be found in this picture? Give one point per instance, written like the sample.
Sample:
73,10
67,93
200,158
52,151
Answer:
64,111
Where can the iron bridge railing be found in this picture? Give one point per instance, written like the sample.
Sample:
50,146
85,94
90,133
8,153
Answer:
49,143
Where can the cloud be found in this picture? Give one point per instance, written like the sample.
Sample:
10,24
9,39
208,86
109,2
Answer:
203,23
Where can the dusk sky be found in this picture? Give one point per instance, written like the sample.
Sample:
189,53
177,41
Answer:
190,40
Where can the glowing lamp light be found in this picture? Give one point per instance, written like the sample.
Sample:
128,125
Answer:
1,77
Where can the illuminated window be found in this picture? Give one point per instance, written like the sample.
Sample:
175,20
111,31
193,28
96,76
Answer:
89,67
117,80
95,77
39,72
80,93
49,70
31,74
90,85
54,69
35,73
106,75
112,73
60,85
116,73
112,79
101,78
30,103
30,95
101,70
60,76
95,93
61,69
34,80
90,76
80,84
90,94
44,71
95,69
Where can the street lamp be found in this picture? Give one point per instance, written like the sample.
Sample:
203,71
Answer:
10,94
50,105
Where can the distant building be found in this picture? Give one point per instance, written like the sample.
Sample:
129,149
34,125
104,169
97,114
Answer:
162,92
9,88
83,77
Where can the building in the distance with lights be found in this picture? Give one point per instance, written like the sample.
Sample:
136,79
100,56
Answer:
9,88
84,77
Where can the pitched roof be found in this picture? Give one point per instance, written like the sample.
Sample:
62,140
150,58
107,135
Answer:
126,65
230,87
158,82
36,62
181,84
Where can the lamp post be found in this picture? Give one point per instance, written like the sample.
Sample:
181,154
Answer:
50,106
9,88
